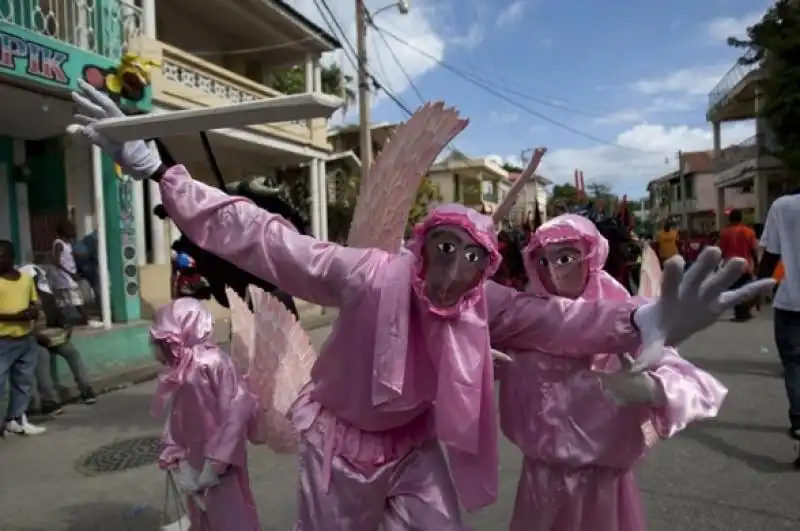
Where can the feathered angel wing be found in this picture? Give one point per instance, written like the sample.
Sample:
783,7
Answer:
243,333
280,368
385,200
650,276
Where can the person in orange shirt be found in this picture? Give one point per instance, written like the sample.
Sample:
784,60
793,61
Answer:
668,241
739,241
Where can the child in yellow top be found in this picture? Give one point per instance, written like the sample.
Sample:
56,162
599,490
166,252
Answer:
19,352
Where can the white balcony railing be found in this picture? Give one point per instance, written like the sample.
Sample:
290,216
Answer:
729,81
82,23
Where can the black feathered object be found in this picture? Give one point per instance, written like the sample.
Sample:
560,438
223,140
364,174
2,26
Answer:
218,272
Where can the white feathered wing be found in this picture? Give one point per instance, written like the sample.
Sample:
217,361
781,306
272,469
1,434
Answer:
385,200
274,355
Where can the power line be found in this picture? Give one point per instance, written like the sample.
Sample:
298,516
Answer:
488,88
256,49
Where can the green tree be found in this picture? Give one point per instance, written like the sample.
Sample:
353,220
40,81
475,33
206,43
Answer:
428,193
774,44
510,168
563,198
292,80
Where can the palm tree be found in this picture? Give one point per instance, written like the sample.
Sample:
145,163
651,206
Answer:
292,81
336,82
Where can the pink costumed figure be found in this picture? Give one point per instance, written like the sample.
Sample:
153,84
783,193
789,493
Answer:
582,432
407,368
209,416
407,365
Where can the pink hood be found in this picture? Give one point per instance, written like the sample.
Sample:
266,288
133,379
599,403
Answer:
458,341
183,328
573,228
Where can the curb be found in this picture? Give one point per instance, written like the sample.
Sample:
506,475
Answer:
143,373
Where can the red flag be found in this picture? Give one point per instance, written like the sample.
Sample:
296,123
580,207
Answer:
582,187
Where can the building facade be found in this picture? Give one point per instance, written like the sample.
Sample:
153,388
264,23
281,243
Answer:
482,184
210,53
750,165
688,195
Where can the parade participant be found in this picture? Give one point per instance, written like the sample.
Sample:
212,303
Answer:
579,444
408,359
208,417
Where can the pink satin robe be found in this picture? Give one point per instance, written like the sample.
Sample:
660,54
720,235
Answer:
579,446
367,462
210,418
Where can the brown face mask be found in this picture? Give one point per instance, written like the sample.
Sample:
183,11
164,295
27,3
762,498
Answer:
454,263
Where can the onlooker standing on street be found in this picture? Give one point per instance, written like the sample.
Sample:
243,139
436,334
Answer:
65,277
19,352
781,243
737,240
668,241
55,335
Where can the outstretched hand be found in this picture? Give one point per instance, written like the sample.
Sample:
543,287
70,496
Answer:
136,158
691,302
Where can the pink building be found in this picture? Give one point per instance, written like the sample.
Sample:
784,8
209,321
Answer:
694,207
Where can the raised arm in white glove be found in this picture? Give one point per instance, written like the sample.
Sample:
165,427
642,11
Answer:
137,159
687,305
690,302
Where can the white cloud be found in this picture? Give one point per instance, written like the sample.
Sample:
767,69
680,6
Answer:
694,81
721,28
472,38
417,28
651,153
503,117
510,13
634,115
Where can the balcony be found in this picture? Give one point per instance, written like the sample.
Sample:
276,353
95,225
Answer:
733,98
186,81
76,22
741,162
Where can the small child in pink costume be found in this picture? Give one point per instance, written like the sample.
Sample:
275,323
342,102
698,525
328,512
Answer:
579,440
209,419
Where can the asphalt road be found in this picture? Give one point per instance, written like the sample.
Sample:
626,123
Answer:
730,474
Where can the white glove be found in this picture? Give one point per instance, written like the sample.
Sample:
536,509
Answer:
628,387
185,478
136,158
208,477
690,302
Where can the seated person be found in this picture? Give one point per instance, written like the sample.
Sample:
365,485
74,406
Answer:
54,333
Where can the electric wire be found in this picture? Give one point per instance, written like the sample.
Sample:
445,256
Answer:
491,90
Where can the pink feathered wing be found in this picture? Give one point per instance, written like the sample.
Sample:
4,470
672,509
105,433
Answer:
385,200
649,288
650,277
275,356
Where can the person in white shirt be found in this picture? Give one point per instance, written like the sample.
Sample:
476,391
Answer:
781,242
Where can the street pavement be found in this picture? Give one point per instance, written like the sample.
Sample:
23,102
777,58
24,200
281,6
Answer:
729,474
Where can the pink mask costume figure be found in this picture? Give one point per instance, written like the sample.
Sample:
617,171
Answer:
407,364
581,440
209,415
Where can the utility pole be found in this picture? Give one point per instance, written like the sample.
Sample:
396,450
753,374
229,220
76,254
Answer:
363,91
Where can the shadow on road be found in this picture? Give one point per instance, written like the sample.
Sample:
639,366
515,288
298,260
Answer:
767,368
760,463
711,502
106,516
124,412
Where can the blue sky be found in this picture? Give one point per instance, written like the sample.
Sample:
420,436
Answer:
623,73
